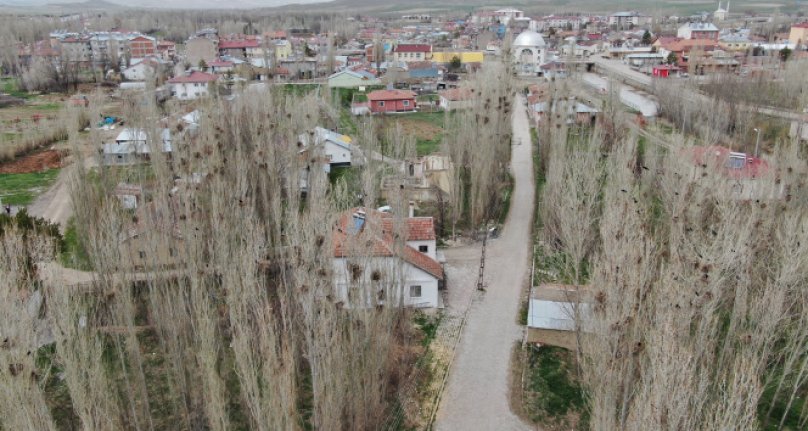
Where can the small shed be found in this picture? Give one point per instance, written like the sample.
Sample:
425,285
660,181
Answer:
664,70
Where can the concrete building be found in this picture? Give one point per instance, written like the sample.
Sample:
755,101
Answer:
799,34
698,30
629,19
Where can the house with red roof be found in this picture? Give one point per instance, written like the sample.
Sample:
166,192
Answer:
410,52
192,85
383,101
241,47
380,259
746,177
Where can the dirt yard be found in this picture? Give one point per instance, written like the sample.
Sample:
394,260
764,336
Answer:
422,130
36,162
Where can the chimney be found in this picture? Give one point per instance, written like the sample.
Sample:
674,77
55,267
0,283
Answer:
412,209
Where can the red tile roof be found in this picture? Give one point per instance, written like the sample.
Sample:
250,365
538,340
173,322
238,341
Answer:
457,94
193,77
801,25
415,228
717,158
413,48
238,44
377,235
391,95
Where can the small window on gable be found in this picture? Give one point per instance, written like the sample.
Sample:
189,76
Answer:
415,291
423,248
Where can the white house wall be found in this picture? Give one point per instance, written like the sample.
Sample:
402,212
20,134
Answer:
393,269
337,153
431,251
189,90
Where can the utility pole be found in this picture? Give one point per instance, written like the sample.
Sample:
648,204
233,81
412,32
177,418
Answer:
757,142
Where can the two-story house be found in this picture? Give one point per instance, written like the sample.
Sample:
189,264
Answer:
382,259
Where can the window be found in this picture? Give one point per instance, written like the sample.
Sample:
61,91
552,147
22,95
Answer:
415,291
381,104
423,248
142,254
171,252
406,103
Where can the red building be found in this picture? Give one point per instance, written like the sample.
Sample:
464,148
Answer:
142,46
391,101
167,49
664,70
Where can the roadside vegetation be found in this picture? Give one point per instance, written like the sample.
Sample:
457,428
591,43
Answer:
21,189
697,293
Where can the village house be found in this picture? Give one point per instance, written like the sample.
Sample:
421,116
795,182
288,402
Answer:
455,98
221,66
352,79
142,46
412,52
142,70
698,30
746,177
192,85
134,146
167,50
383,101
336,150
398,264
569,111
241,47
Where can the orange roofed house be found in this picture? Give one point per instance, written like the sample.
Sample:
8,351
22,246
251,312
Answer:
380,259
382,101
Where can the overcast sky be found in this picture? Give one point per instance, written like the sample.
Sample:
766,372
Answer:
184,4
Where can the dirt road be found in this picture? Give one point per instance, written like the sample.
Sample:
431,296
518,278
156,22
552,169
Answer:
55,204
478,392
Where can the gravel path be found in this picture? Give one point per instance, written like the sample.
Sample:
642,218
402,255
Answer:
55,204
478,392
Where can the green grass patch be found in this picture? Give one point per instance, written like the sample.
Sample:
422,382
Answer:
74,254
505,200
428,326
554,391
21,189
12,87
47,107
435,118
428,146
299,89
